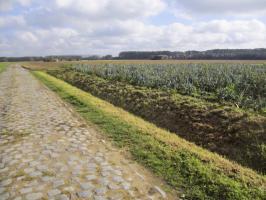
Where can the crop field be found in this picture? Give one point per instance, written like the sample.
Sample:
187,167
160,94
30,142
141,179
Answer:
240,83
200,173
219,106
166,107
244,85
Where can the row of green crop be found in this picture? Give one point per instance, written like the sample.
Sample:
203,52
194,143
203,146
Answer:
241,84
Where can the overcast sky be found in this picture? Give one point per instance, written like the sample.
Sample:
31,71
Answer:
46,27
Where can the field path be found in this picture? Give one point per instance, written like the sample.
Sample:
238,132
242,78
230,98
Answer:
48,152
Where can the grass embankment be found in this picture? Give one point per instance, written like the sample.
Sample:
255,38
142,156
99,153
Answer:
231,132
3,66
202,174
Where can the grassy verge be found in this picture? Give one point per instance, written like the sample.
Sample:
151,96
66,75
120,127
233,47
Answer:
3,66
236,134
202,174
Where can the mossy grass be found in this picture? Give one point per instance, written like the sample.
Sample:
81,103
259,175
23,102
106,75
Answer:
17,136
3,66
200,173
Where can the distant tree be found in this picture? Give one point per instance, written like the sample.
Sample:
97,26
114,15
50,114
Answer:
107,57
232,54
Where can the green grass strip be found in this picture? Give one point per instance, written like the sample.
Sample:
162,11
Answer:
200,173
3,66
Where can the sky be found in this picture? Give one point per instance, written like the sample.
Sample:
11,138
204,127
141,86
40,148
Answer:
86,27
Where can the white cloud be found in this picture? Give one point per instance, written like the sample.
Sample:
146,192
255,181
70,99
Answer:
111,8
26,37
234,7
6,5
110,26
12,21
135,35
24,2
224,26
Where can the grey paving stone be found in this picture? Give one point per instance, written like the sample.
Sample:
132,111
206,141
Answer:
69,189
34,163
54,155
4,170
163,194
63,197
2,189
113,186
100,191
25,190
47,179
18,198
116,196
126,185
105,174
103,181
29,170
58,183
117,172
4,196
40,187
18,156
13,162
35,174
34,196
54,192
42,167
117,179
6,182
32,183
99,198
84,194
91,177
86,186
76,172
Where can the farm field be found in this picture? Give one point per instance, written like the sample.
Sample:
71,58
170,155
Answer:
218,122
236,132
46,65
200,174
240,84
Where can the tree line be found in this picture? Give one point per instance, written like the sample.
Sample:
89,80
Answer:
215,54
223,54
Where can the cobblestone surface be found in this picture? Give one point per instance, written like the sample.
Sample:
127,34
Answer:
47,152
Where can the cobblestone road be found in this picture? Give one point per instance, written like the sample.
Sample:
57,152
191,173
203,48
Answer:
47,152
